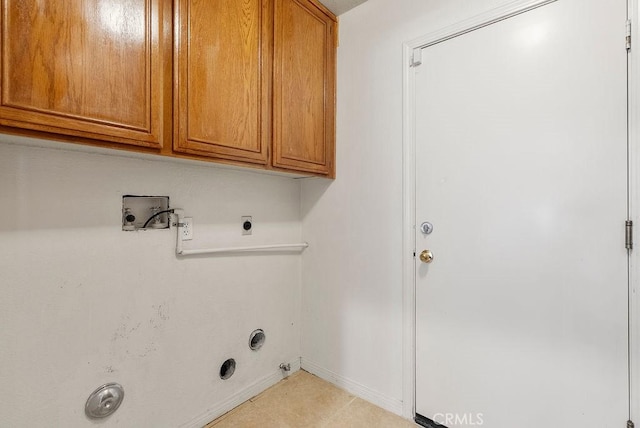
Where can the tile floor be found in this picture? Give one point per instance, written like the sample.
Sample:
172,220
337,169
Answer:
303,400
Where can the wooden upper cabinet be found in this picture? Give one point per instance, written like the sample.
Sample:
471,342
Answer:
304,87
222,79
91,68
249,82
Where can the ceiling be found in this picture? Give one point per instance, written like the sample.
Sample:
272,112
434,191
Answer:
341,6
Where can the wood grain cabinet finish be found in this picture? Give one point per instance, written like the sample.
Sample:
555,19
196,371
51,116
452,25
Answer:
252,82
91,68
304,87
223,79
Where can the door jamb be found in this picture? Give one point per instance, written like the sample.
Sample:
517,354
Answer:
634,202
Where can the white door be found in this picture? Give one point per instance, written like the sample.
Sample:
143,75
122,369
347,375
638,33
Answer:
521,168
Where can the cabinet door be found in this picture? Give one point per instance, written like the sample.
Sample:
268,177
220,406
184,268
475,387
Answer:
304,87
91,68
222,81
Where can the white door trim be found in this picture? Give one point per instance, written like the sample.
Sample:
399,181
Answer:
487,18
409,176
634,203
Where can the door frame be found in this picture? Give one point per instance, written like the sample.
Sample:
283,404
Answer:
633,13
409,184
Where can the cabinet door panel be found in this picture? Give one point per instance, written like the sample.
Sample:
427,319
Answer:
304,87
222,83
91,68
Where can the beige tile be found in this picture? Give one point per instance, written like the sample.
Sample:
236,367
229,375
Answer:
246,416
303,400
229,414
306,401
361,414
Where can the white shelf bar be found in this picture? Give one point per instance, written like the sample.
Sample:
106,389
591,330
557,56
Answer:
229,250
232,250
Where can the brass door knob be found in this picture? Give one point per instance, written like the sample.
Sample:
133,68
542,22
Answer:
426,256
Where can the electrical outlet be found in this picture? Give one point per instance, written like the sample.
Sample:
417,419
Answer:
247,225
187,228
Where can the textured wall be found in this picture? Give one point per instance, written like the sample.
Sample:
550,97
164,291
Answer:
84,303
352,274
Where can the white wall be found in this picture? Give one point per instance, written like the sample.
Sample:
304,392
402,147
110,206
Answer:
84,303
352,273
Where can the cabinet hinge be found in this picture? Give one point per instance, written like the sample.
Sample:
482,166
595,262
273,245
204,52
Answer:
628,36
630,424
416,57
628,235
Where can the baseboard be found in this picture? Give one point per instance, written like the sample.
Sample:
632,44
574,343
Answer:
391,404
240,397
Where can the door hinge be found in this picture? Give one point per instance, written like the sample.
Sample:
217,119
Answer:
416,57
630,424
628,235
628,37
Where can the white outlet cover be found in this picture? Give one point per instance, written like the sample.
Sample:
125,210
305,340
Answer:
250,220
187,228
